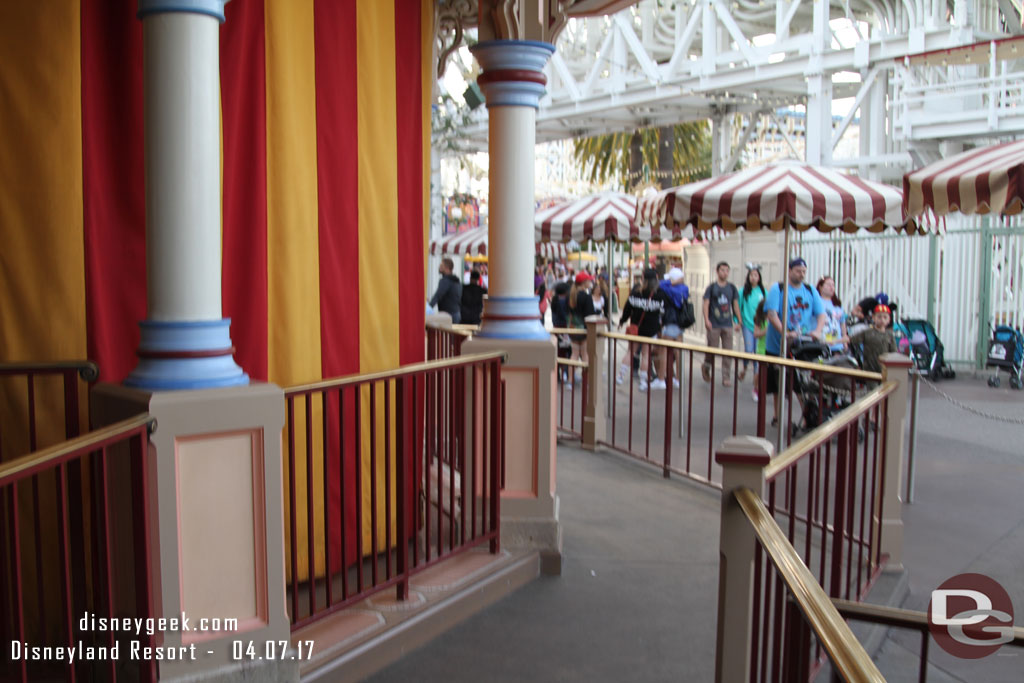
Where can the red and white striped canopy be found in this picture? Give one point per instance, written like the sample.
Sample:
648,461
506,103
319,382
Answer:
986,180
777,196
473,242
600,217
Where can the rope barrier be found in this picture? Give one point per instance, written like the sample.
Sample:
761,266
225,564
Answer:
969,409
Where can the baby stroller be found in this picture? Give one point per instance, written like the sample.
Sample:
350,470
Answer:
822,395
925,349
1006,350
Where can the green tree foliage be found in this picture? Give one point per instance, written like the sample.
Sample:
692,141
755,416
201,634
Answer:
630,158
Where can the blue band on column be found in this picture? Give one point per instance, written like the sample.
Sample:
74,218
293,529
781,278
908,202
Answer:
186,355
511,56
512,317
213,8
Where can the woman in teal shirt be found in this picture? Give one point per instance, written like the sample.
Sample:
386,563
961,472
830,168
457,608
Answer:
753,293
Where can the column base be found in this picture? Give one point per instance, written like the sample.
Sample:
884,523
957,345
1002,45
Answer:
512,317
892,542
529,505
186,354
543,534
217,520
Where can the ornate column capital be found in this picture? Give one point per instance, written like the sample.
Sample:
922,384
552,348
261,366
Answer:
213,8
513,71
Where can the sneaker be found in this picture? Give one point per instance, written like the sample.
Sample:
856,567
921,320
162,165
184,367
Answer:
657,384
643,385
675,383
619,378
742,373
726,382
753,395
705,372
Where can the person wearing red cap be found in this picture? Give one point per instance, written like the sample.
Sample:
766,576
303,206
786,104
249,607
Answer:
875,340
581,305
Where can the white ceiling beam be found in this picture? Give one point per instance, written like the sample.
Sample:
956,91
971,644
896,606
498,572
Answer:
647,64
602,54
562,69
684,42
742,42
865,87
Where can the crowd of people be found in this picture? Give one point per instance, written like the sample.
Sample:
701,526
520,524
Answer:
660,308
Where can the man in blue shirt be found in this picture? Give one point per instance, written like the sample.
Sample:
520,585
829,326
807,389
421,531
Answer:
806,315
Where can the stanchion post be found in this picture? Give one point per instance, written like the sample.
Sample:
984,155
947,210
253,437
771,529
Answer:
743,459
895,368
594,421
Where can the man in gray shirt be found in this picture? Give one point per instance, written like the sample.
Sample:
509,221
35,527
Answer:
721,317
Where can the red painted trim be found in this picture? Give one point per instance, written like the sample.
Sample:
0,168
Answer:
741,459
409,131
113,190
202,353
243,107
499,75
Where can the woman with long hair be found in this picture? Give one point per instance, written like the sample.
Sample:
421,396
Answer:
753,293
835,316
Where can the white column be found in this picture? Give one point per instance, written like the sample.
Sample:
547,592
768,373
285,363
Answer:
185,343
513,82
183,212
512,136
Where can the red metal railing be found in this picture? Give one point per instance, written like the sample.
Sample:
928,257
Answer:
681,424
43,404
445,342
573,377
94,575
400,470
826,494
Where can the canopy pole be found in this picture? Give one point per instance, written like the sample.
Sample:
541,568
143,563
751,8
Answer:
783,346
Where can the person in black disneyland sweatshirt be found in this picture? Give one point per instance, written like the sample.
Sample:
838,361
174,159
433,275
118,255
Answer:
448,297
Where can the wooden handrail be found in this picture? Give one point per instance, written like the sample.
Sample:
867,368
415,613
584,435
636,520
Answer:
728,353
402,371
827,431
27,465
571,331
86,369
848,656
574,363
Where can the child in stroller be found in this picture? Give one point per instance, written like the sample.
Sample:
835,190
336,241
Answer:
821,394
1006,351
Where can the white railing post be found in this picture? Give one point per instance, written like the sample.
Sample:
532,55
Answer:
895,368
743,459
594,420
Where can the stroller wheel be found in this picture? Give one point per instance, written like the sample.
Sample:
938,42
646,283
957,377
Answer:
993,381
949,373
1015,382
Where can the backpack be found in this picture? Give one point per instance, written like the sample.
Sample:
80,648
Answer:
687,317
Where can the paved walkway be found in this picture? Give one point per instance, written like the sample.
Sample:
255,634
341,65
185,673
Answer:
636,600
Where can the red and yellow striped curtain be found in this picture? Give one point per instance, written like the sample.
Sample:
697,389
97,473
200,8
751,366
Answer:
325,108
325,140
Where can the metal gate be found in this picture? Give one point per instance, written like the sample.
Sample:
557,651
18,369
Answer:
963,280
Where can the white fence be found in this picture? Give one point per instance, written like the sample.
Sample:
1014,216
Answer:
973,287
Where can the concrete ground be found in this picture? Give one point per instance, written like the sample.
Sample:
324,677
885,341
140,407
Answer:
636,599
